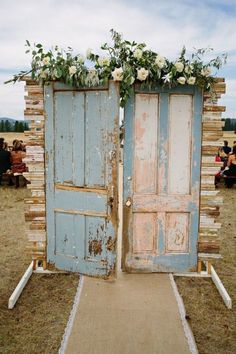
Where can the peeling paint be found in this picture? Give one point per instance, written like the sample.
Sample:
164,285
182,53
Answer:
127,215
95,247
161,227
111,244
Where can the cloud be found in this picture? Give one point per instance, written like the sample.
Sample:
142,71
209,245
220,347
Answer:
165,26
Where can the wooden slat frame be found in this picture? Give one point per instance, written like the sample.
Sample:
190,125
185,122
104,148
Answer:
208,241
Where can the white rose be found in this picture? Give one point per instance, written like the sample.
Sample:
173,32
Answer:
46,60
142,74
103,61
179,66
88,53
138,53
160,61
43,74
188,69
206,71
117,74
106,61
181,80
81,59
191,80
72,70
100,61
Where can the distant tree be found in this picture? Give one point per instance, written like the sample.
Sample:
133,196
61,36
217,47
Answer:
26,126
20,127
8,127
230,124
2,126
16,126
234,125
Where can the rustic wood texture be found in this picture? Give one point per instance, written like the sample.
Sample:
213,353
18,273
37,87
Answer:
208,238
35,205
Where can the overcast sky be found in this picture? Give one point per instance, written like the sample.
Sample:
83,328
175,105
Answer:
164,25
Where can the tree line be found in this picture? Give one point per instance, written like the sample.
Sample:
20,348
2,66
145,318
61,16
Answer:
230,124
17,126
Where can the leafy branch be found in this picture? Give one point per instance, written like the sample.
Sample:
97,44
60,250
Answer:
124,61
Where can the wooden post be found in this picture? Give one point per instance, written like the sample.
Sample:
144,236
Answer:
199,266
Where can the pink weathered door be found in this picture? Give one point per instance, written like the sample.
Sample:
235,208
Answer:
162,179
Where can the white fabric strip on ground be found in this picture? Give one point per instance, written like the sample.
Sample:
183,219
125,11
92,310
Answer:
187,330
70,322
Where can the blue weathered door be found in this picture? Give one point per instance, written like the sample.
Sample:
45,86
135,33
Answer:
81,177
162,152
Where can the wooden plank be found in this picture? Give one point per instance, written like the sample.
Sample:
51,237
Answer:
206,256
212,133
84,212
220,287
215,116
212,108
219,79
80,189
212,125
18,290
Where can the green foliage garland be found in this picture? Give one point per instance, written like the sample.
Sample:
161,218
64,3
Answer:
126,62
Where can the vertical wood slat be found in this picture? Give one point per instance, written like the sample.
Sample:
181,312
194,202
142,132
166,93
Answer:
208,241
35,205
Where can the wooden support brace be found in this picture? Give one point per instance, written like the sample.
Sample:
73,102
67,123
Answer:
208,267
220,287
22,283
18,290
211,273
199,266
44,264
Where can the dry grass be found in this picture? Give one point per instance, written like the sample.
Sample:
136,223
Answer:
9,137
213,325
36,324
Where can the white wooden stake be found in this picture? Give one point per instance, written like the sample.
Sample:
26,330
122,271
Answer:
18,290
220,287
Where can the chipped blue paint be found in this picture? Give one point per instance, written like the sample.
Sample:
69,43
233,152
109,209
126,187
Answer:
162,147
128,176
81,131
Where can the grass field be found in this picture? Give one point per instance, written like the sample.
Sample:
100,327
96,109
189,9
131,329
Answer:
36,324
9,137
213,325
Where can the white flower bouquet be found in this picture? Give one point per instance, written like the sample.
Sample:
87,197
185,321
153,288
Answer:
125,62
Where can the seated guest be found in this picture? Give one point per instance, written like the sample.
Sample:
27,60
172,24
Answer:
5,159
226,148
17,154
224,152
231,171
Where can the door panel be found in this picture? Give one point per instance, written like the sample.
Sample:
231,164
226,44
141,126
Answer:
145,232
81,178
161,179
177,226
145,139
180,118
